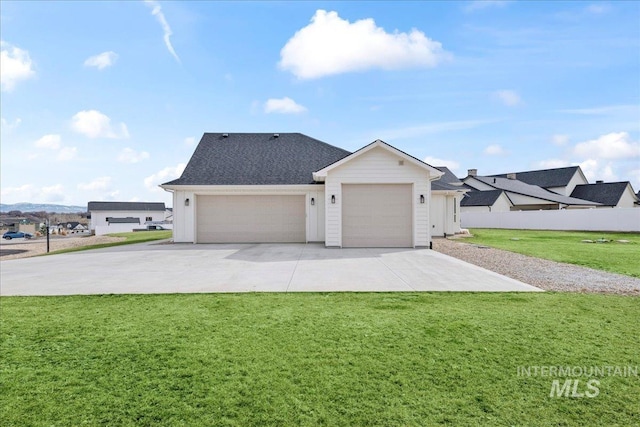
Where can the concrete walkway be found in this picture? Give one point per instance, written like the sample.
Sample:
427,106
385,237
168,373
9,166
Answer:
188,268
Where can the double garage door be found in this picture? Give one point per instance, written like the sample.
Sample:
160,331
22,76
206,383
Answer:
373,215
251,219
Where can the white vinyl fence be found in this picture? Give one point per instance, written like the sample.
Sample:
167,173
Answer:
602,219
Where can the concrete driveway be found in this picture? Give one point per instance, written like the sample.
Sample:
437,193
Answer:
188,268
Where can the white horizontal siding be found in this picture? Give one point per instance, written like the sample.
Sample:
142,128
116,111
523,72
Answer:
377,166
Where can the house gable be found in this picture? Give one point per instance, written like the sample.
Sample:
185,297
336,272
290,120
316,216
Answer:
614,194
400,156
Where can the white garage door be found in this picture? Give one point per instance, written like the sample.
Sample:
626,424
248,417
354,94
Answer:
250,219
377,215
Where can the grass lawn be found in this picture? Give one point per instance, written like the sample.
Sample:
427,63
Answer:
567,247
341,359
130,238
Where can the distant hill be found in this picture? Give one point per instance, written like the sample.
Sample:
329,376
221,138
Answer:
37,207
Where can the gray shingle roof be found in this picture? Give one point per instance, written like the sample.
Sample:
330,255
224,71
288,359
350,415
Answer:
519,187
448,177
545,178
448,181
606,193
125,206
257,159
480,198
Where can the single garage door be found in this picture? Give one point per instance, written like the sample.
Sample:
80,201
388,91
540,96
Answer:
250,219
377,215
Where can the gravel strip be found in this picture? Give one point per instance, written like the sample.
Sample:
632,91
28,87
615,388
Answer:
39,246
545,274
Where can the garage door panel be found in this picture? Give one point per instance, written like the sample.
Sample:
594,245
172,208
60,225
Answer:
377,215
251,219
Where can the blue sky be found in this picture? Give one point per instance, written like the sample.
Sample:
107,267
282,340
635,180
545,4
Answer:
106,100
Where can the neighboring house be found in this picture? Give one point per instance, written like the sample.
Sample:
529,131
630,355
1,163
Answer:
486,201
446,196
524,196
258,187
558,180
17,224
71,226
608,194
123,216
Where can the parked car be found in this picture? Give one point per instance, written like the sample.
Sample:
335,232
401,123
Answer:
16,235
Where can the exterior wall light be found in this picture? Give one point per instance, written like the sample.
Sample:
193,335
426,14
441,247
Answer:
313,201
186,202
422,198
333,199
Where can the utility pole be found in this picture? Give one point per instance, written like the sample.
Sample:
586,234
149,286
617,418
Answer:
47,231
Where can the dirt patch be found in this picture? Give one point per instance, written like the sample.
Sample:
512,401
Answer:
39,246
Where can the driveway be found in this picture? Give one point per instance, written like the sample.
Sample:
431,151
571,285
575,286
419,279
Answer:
187,268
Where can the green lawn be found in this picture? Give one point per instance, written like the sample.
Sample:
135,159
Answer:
346,359
567,246
130,238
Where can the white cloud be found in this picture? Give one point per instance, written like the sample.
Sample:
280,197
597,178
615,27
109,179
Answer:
54,193
102,60
594,170
331,45
509,98
23,193
156,11
603,110
8,126
67,153
484,4
434,161
129,155
189,141
426,129
101,183
94,124
15,65
494,150
597,9
49,141
166,174
30,193
560,139
284,105
610,146
551,164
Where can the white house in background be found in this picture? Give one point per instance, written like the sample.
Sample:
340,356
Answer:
486,201
558,180
118,217
608,194
259,187
524,196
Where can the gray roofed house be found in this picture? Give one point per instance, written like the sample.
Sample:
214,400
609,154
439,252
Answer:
614,194
481,198
288,187
257,159
545,178
522,188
